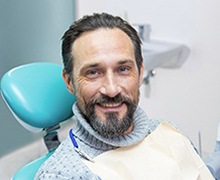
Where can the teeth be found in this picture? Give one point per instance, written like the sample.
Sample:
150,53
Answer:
110,105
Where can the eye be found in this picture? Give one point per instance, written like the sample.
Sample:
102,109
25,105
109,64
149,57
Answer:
93,73
124,69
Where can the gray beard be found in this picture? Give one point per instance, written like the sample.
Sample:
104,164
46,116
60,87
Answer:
112,126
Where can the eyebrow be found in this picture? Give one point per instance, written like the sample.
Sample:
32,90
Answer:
126,61
84,68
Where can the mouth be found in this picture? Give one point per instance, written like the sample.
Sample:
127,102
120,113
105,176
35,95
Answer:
105,105
110,105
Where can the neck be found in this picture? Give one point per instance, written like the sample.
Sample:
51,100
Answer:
134,134
129,130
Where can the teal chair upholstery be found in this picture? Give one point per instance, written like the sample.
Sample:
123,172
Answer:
28,171
37,97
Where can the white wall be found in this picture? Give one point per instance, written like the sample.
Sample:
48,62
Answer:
188,96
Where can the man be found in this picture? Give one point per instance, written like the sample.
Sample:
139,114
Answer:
103,68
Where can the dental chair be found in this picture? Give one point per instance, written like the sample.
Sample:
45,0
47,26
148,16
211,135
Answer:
37,96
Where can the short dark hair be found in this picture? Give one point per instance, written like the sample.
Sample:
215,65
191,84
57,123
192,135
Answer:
94,22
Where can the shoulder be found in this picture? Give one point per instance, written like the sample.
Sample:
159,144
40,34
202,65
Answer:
154,123
65,163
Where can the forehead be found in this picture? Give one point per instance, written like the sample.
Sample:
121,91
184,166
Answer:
102,45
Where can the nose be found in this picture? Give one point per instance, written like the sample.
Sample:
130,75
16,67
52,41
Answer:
110,85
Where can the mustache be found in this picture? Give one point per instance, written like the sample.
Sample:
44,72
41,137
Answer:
106,99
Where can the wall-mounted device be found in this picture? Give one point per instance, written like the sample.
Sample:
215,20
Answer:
159,54
163,54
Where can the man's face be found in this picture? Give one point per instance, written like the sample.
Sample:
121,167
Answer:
106,80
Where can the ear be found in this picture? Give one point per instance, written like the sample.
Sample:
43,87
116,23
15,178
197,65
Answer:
141,74
68,81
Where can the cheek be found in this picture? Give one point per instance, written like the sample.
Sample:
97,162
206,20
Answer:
133,89
86,90
131,86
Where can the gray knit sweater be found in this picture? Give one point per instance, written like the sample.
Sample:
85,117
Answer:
66,163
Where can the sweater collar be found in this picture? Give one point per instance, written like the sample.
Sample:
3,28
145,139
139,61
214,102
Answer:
86,133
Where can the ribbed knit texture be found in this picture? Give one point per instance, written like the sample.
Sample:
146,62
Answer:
66,163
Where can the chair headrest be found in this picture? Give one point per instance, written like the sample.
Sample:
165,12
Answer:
37,96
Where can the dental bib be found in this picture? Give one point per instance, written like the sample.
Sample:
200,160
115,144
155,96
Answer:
165,154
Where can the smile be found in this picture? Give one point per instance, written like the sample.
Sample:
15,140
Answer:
110,105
